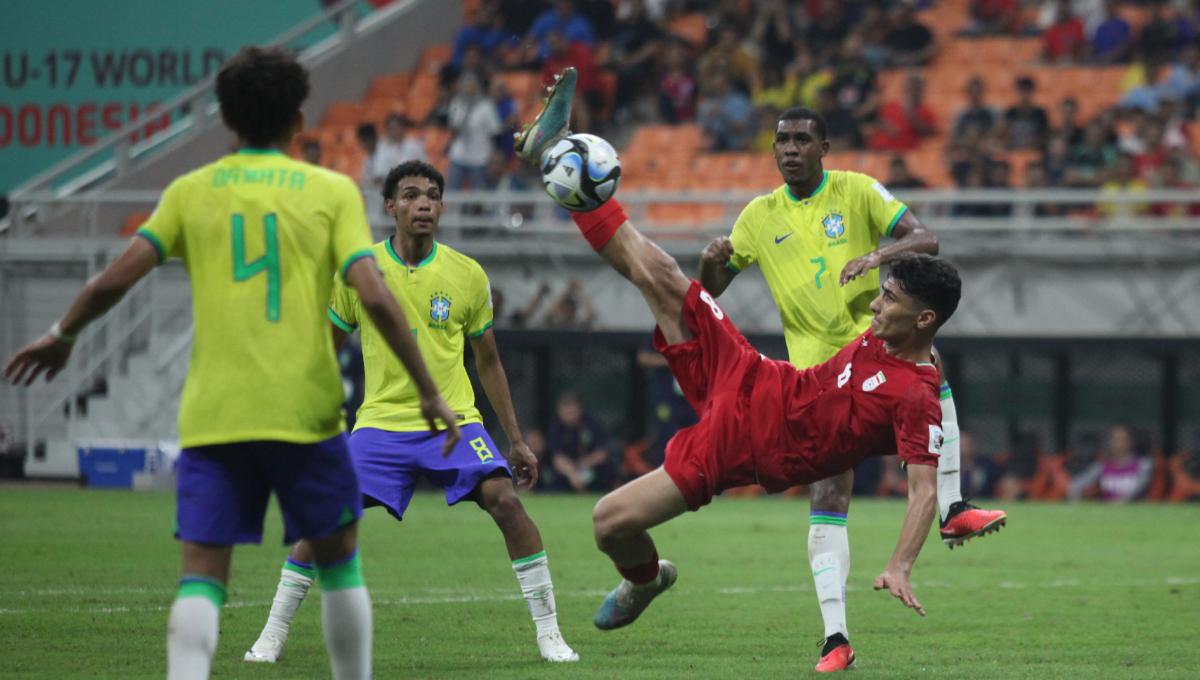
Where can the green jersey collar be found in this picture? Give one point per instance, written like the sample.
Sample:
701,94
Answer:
247,151
820,187
396,256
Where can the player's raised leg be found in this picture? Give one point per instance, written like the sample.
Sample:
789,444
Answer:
298,574
960,521
524,542
621,520
829,557
193,625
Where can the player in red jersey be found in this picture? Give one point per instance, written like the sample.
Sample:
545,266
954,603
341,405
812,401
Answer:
764,421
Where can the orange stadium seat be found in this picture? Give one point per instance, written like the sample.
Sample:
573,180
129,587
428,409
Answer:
433,58
134,221
394,86
422,97
343,113
377,110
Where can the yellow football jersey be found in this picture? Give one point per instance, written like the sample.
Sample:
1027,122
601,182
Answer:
262,236
446,298
802,245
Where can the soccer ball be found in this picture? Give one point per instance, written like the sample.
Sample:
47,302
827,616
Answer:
581,172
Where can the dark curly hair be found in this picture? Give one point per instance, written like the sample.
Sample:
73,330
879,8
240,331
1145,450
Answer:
931,280
801,113
260,90
411,169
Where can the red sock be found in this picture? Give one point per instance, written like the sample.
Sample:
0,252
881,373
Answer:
599,225
641,573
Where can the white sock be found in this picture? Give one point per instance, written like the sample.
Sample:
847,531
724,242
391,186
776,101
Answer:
346,619
829,556
192,629
949,478
294,581
533,574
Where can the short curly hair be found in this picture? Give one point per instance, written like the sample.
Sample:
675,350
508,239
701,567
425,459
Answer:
412,169
931,280
260,90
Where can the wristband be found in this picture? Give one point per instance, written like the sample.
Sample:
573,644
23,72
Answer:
57,333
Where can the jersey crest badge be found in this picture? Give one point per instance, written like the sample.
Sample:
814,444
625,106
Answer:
834,225
873,383
935,439
439,307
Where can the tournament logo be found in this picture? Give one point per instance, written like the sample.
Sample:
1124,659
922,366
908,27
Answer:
439,307
834,225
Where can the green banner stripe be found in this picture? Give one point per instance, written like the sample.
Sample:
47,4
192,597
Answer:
527,560
343,576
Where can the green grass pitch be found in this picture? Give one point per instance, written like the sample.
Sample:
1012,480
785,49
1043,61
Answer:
1066,591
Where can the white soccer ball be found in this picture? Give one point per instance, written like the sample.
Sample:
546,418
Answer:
581,172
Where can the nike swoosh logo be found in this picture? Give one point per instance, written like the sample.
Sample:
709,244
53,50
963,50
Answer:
822,571
781,239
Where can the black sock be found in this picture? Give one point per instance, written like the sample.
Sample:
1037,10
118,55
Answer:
833,642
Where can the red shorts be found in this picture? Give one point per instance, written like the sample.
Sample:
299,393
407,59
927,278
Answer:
716,371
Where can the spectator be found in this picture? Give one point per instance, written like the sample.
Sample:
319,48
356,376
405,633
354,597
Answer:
1122,180
310,151
842,129
873,27
473,123
812,77
1165,34
1091,160
677,88
1063,41
572,310
1037,178
900,177
909,43
981,474
508,113
725,115
501,176
764,139
671,410
855,82
774,32
487,33
635,45
1183,80
1169,175
1055,163
1112,41
523,317
993,17
729,59
1121,474
368,140
1068,122
1141,87
576,445
397,147
564,18
902,125
777,90
1025,123
977,112
999,173
829,27
589,99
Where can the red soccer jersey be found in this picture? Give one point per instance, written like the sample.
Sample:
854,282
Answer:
863,402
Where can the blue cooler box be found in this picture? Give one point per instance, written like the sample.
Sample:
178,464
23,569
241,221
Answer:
110,467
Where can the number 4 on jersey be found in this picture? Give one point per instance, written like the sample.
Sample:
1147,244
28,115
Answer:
268,262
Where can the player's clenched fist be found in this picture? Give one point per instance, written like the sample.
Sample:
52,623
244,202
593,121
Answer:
719,251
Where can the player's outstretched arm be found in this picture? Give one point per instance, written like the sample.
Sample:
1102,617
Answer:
715,275
495,385
922,505
912,236
50,352
389,318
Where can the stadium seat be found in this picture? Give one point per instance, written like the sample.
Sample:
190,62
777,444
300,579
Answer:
422,97
134,221
433,58
1184,486
394,86
343,113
